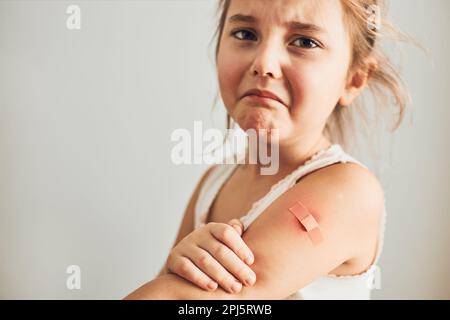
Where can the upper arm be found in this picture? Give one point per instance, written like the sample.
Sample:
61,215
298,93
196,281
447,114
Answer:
346,202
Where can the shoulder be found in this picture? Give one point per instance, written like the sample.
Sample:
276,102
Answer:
347,185
351,197
209,171
346,179
347,195
201,184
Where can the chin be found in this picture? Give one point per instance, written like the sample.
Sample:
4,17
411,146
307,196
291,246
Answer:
261,126
255,122
255,117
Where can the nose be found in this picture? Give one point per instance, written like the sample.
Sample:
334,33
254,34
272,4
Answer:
267,62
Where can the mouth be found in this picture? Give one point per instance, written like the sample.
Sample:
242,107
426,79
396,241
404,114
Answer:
262,100
262,96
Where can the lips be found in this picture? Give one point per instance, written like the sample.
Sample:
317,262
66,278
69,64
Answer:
263,94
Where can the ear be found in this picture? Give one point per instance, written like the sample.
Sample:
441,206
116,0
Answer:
357,81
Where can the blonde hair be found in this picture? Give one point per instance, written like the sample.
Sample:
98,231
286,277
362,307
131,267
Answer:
385,81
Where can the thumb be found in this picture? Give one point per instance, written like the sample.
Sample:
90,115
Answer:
237,225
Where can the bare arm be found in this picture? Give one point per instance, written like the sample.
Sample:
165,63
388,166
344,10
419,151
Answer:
347,204
172,287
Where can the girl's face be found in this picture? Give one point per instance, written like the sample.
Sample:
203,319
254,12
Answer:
297,49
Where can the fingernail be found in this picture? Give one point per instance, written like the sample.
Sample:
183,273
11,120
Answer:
212,285
251,279
250,259
236,286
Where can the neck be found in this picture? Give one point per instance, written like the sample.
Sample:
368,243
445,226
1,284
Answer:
291,154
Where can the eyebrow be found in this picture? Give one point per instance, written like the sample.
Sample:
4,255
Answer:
295,25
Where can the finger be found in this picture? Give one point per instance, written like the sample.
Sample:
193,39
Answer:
210,266
228,260
228,236
186,269
237,225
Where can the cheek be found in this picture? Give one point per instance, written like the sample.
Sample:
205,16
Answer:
230,71
316,88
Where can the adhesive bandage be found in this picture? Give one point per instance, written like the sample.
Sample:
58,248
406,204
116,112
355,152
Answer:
307,221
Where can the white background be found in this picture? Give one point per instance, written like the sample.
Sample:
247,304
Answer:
85,124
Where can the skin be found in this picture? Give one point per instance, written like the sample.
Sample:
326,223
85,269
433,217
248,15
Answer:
299,66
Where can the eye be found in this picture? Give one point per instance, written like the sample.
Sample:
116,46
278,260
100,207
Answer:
306,43
242,34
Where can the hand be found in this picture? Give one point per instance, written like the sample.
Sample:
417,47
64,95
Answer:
213,255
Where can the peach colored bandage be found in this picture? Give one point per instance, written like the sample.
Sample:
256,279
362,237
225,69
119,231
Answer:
308,222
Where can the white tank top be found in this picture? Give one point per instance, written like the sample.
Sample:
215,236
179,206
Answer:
327,287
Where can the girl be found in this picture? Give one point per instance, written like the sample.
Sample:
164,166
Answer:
296,66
